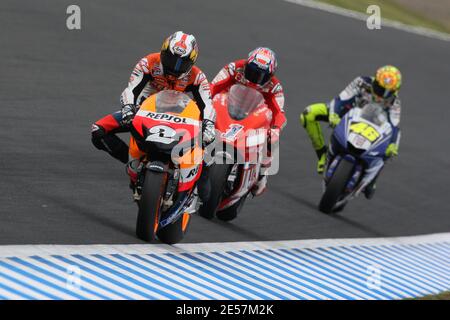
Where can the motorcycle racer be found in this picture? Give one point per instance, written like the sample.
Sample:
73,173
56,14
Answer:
258,72
173,68
383,88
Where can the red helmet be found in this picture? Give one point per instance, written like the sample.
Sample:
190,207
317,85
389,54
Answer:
261,66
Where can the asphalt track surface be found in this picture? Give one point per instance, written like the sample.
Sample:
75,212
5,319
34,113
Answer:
56,188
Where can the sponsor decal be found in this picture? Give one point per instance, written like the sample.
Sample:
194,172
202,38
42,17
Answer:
200,77
205,86
261,109
278,88
188,175
193,172
222,75
180,46
156,71
359,141
232,132
262,61
280,101
155,167
165,117
179,50
143,65
232,68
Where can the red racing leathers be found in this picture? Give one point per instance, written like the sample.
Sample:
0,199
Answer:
272,91
273,94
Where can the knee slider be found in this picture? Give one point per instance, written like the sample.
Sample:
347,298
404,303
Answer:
302,119
315,110
307,116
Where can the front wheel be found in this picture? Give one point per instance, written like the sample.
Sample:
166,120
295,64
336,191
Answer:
174,232
150,205
336,186
231,212
218,175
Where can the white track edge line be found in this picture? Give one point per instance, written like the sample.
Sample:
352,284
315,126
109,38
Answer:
361,16
48,250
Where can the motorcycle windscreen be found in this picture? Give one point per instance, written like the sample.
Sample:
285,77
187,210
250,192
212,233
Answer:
374,113
242,101
171,101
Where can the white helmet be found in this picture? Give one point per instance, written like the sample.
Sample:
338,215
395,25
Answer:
178,54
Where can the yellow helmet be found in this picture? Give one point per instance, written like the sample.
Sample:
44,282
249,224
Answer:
387,82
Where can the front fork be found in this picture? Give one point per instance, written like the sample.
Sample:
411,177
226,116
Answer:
172,207
361,176
370,174
333,162
156,166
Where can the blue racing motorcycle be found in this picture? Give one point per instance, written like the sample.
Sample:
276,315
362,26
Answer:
355,156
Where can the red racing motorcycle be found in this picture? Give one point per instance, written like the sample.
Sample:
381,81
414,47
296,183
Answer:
243,122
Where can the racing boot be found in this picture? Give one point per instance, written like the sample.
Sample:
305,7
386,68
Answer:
321,163
369,190
259,188
132,171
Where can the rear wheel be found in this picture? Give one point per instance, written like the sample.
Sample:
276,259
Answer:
174,232
336,186
150,205
218,175
231,213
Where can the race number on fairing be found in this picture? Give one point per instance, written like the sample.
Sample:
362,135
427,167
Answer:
365,130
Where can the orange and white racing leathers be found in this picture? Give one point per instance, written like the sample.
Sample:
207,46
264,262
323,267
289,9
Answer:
146,79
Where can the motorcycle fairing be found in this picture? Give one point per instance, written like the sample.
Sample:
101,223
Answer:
366,151
176,132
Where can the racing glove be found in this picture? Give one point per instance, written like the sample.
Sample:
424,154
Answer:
208,131
128,112
392,150
334,119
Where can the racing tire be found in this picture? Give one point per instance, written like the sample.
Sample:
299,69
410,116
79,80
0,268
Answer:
336,186
174,232
150,205
218,175
231,212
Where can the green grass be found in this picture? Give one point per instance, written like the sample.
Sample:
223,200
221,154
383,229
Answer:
440,296
391,11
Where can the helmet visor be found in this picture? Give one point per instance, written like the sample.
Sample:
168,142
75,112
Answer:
174,65
380,91
255,74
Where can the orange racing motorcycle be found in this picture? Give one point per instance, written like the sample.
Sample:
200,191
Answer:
166,137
